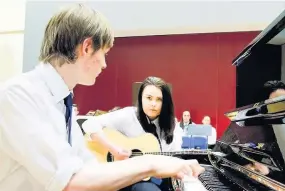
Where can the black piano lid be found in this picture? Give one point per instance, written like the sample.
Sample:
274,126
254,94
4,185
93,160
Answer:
274,34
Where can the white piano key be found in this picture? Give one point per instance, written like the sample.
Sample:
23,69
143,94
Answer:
193,184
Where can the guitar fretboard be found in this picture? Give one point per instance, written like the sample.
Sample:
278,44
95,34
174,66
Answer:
186,152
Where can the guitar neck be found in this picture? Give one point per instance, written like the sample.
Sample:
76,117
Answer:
192,152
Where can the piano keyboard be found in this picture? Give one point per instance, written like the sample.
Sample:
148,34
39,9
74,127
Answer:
214,181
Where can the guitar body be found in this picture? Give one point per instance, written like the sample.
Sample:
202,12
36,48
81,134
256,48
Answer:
138,145
146,143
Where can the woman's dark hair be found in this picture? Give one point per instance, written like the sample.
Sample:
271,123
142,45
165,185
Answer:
166,117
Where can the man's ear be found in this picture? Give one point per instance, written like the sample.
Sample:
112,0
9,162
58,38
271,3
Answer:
87,47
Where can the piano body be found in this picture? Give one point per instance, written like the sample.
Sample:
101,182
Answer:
250,138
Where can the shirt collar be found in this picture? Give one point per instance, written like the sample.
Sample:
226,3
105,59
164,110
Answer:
155,122
54,81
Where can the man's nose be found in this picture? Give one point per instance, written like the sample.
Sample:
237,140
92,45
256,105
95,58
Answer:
104,65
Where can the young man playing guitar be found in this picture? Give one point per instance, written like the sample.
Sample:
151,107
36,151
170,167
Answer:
154,114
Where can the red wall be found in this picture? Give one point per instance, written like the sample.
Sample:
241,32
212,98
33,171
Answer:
198,66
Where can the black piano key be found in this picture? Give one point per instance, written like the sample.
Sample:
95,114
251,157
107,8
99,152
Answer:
221,189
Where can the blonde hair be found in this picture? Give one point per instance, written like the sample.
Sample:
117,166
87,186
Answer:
69,28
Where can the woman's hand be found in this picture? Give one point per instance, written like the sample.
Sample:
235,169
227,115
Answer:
120,153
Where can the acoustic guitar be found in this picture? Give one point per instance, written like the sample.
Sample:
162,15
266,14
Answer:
144,144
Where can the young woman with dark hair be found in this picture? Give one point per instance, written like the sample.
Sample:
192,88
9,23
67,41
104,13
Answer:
155,104
153,114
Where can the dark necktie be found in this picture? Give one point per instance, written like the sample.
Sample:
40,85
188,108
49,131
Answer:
68,114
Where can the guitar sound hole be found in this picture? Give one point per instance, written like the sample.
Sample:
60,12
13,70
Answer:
136,153
110,157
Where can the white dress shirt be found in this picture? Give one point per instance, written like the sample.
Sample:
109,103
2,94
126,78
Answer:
34,152
213,137
125,121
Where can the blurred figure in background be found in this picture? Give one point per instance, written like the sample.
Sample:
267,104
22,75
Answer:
213,138
186,121
176,120
75,109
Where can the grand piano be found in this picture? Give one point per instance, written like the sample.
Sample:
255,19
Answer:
256,135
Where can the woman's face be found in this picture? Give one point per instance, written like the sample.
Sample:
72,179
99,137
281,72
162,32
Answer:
186,116
152,101
206,120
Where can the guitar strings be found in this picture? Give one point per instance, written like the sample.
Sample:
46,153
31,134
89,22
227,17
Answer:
139,154
175,152
169,153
